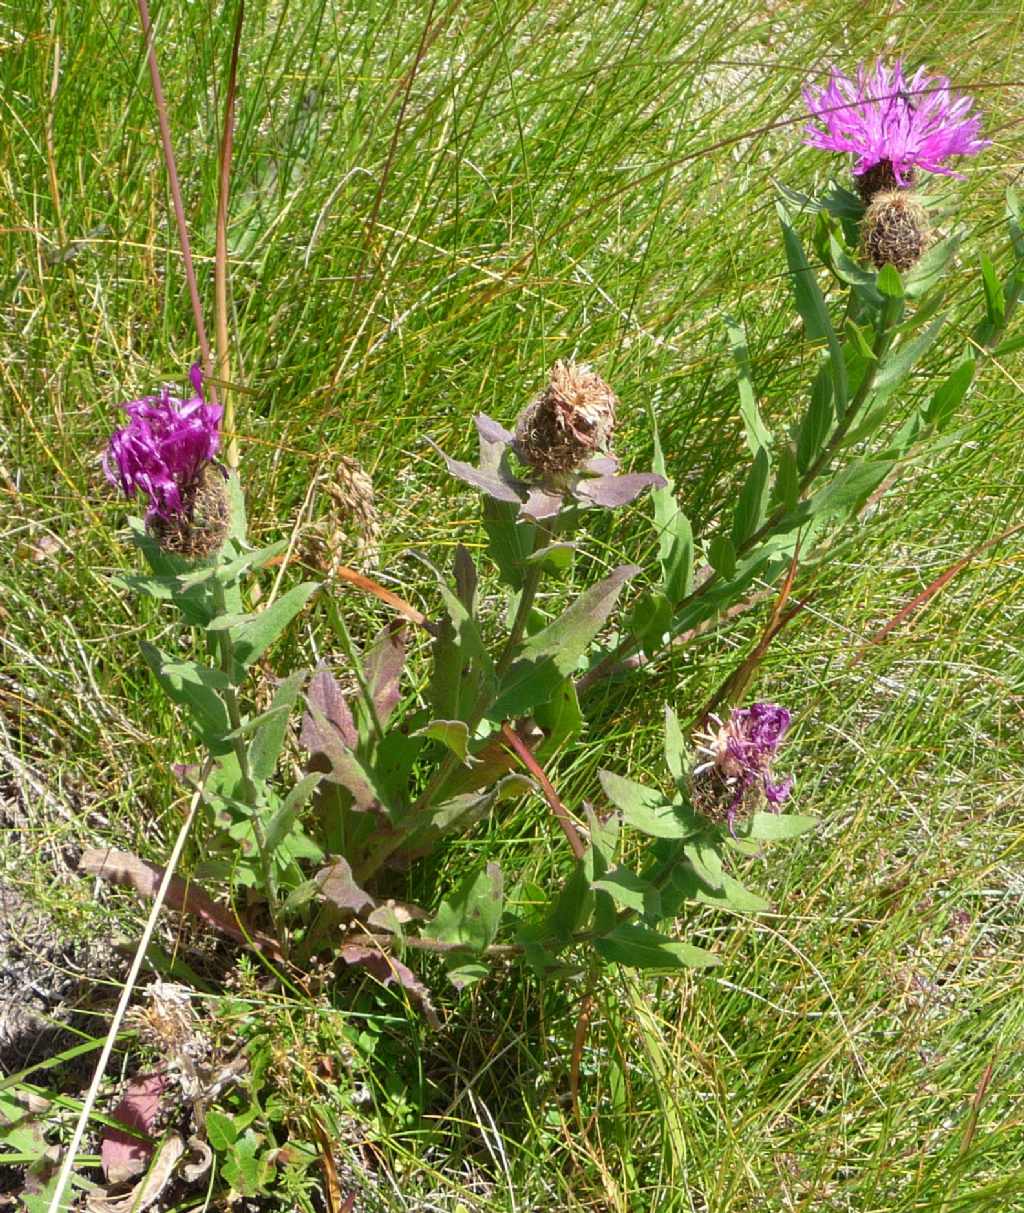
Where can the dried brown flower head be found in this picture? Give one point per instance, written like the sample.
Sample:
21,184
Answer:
570,421
202,526
895,230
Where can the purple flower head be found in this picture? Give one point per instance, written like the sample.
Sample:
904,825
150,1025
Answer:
164,448
883,117
740,753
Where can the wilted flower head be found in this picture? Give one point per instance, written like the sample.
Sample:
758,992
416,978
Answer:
737,772
570,421
165,450
892,124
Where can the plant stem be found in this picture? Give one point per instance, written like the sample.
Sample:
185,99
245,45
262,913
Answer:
220,264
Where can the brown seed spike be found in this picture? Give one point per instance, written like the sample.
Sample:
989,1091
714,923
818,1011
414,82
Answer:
201,529
569,422
895,230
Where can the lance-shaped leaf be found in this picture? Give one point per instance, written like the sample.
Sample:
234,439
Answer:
343,766
492,476
630,891
269,740
382,665
770,827
325,696
186,684
675,535
757,434
280,825
253,634
541,504
685,884
614,491
551,655
389,970
646,809
459,813
640,948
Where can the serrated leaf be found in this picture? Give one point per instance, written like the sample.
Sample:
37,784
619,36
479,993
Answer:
646,809
640,948
389,970
552,654
771,827
338,886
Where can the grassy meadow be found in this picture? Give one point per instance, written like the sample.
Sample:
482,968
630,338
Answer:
431,202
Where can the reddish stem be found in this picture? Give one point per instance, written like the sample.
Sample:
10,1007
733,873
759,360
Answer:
550,795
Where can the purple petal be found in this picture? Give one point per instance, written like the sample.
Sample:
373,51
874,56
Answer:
195,374
613,491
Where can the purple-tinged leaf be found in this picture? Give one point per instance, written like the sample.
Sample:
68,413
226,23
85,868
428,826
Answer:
344,767
324,695
613,491
390,971
496,483
541,504
382,665
602,465
338,886
121,1155
491,430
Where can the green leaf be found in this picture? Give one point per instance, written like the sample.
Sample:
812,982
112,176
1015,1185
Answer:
995,304
646,809
849,488
572,906
932,265
629,891
252,635
203,703
685,885
230,570
722,556
471,915
771,827
649,620
221,1132
509,540
847,270
675,535
269,740
280,825
889,282
753,501
640,948
707,863
451,733
810,303
787,479
677,754
817,423
897,365
560,718
552,654
948,395
758,436
554,558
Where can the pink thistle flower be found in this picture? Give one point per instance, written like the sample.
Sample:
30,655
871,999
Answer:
885,119
738,757
164,449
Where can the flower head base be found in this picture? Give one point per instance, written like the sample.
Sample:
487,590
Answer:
737,772
895,230
570,421
892,124
166,450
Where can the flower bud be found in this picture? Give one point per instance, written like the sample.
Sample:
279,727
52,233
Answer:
895,230
200,528
569,422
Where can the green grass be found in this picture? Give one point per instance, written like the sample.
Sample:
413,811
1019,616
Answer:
432,202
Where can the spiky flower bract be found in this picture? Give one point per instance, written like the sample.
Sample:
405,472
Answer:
895,230
892,124
736,774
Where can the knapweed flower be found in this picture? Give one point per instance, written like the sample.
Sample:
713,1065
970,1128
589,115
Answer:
736,774
894,125
561,439
166,450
